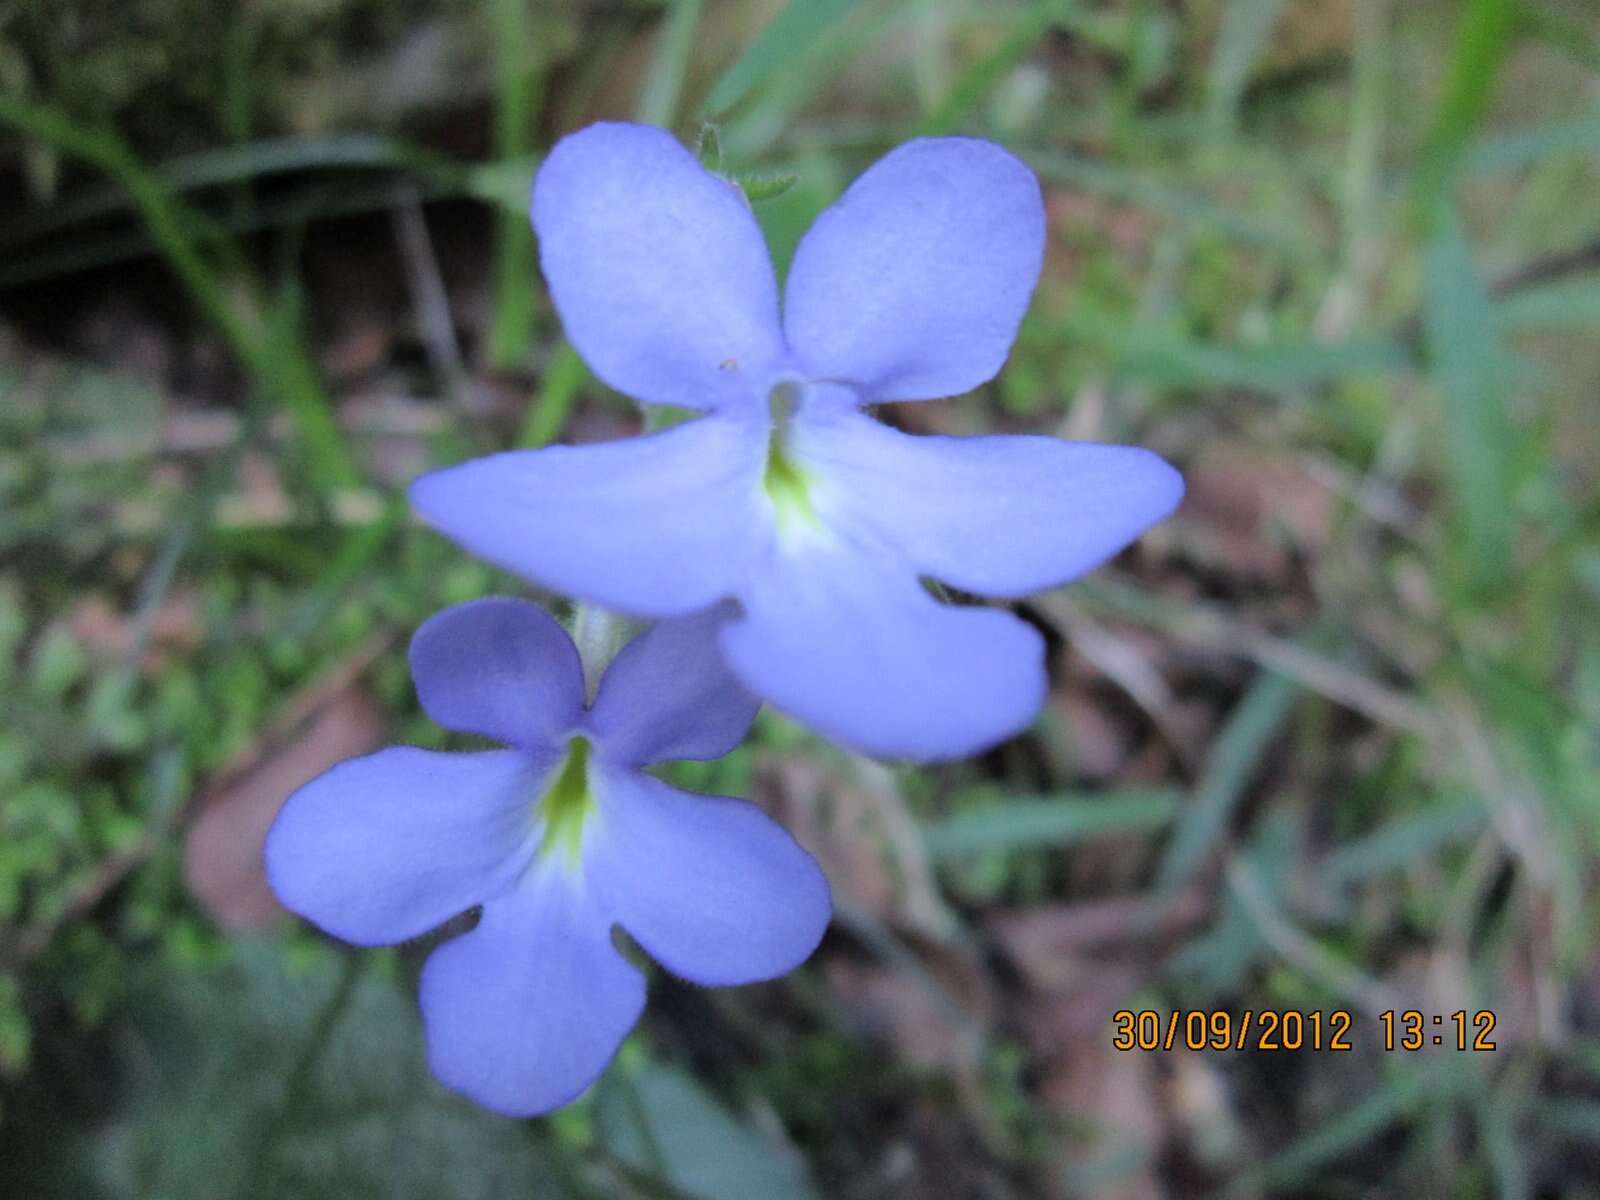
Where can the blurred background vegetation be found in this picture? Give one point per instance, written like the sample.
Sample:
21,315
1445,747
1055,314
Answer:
1326,740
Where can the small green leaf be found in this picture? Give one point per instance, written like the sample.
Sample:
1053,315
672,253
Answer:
708,148
759,186
660,1121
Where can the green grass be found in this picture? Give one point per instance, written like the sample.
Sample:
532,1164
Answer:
1326,740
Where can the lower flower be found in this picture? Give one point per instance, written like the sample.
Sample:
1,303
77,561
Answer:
559,840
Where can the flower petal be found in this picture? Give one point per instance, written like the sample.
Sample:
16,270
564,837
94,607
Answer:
912,285
499,667
387,847
658,269
1001,516
523,1013
668,695
712,887
653,526
847,642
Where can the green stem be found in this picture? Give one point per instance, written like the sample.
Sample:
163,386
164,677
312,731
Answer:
519,82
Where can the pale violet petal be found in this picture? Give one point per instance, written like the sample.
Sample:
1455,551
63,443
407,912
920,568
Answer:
912,286
524,1012
386,847
999,516
713,888
668,695
846,641
654,526
658,269
499,667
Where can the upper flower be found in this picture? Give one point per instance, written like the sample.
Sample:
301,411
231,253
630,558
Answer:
558,838
820,521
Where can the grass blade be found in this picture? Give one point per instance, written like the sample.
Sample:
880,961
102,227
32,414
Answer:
519,78
1234,759
1061,820
980,77
1470,362
280,366
1482,40
663,89
1298,1162
564,376
1240,38
786,38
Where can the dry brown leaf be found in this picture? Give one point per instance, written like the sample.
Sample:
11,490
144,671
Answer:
903,1011
1245,508
222,852
175,625
1112,1096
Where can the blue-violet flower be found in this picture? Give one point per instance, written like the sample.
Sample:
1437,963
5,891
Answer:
818,519
558,838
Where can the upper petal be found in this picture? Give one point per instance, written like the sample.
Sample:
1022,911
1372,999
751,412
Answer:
658,269
845,640
1001,516
523,1013
386,847
912,285
669,695
500,667
653,526
712,887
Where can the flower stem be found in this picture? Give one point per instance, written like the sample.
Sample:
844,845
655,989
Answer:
599,636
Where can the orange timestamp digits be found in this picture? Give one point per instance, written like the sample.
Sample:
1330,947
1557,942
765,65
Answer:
1411,1030
1252,1029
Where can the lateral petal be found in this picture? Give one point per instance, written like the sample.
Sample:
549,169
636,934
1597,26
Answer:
386,847
712,887
656,526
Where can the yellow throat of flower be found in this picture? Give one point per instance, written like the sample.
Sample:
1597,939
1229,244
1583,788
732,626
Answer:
566,806
785,483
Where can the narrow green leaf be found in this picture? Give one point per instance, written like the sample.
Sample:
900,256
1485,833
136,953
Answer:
1177,362
663,88
808,70
1241,36
564,376
233,165
1234,759
1470,361
505,185
1107,179
1513,151
981,76
1026,823
1401,842
281,366
1569,304
1361,1123
787,38
1498,1115
519,78
1482,40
